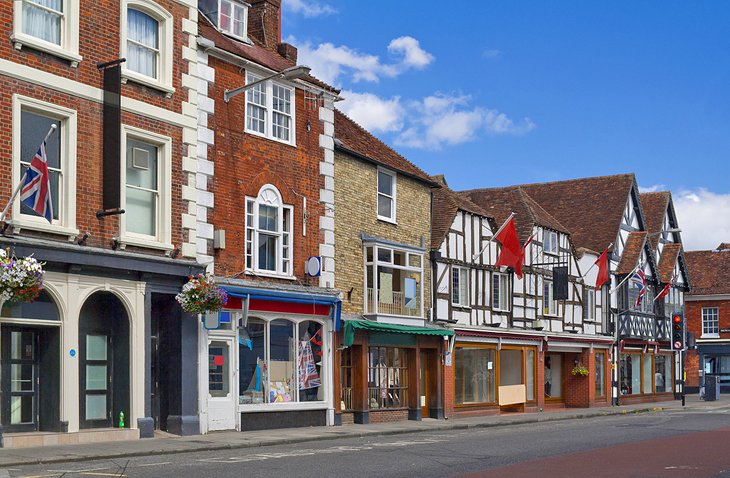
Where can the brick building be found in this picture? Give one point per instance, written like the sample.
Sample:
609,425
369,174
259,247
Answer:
707,312
266,162
390,356
106,336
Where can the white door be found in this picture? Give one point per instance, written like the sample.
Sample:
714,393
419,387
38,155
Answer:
222,394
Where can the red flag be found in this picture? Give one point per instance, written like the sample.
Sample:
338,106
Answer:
511,253
665,290
602,262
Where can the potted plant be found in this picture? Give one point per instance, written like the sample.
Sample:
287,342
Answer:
580,370
200,295
21,280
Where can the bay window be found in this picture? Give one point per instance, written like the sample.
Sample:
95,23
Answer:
393,281
269,233
270,110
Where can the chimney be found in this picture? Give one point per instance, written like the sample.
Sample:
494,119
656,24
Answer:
288,51
264,23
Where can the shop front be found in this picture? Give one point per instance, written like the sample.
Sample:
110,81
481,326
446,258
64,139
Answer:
269,363
390,372
714,361
646,374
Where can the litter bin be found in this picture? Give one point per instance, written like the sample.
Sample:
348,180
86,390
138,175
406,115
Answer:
712,388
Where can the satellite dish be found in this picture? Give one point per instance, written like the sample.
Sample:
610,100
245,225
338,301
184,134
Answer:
314,266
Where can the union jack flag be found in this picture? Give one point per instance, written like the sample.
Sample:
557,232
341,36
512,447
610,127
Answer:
36,192
638,279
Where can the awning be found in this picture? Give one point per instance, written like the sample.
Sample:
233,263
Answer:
351,325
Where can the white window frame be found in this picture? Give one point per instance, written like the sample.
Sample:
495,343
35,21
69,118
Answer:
549,305
371,306
268,87
69,47
502,280
163,238
550,238
163,82
460,286
590,305
393,198
710,315
269,195
234,5
66,222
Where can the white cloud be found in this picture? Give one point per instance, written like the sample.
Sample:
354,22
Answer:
308,8
492,54
703,217
440,120
373,113
653,188
330,62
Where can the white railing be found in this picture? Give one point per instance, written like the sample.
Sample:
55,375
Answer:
397,307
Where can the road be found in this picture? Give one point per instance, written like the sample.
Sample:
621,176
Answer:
662,444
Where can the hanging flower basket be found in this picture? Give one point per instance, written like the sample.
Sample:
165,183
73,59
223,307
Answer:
21,280
580,370
200,295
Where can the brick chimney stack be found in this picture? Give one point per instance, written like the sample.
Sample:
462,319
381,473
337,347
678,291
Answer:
264,23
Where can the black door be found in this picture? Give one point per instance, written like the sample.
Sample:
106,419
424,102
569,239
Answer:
20,381
95,382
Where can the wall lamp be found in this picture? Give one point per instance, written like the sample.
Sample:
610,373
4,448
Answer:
291,73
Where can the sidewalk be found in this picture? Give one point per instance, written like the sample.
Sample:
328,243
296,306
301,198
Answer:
234,440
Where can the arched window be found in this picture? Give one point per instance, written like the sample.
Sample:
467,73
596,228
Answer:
268,233
43,308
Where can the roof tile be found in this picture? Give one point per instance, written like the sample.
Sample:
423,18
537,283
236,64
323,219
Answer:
632,252
710,271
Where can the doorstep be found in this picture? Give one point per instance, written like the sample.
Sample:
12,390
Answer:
38,439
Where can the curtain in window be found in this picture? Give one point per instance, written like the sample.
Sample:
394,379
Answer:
142,43
42,19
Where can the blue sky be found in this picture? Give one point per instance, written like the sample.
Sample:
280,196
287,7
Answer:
497,93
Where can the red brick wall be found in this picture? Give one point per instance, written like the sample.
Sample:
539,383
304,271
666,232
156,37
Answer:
386,416
692,368
449,388
693,316
577,391
246,162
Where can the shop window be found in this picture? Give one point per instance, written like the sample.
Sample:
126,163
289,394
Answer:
647,380
530,375
600,374
387,378
280,361
475,375
398,275
346,379
663,373
630,370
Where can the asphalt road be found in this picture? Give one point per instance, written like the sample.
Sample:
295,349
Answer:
665,444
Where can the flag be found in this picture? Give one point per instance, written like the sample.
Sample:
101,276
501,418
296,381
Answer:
511,253
666,289
602,276
36,192
638,279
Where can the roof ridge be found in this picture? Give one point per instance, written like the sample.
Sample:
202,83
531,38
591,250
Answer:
543,210
622,175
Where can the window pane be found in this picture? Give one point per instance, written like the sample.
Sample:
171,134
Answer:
385,206
530,374
662,374
33,129
475,375
256,118
648,375
280,126
310,358
21,346
21,377
142,43
43,23
21,410
600,374
282,368
268,218
385,184
455,287
282,99
96,347
218,374
96,377
553,376
510,367
95,407
142,159
252,362
267,252
141,211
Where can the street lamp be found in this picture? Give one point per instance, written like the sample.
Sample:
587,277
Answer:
291,73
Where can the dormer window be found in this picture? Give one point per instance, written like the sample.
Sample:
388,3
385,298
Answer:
232,18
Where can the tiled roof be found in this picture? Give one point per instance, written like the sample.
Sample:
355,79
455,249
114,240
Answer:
500,202
724,246
632,252
446,203
353,137
667,261
254,53
710,271
654,206
590,208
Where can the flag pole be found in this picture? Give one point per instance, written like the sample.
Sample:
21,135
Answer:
22,179
628,276
492,238
594,264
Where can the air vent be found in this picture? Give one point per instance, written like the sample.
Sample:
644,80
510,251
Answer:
140,159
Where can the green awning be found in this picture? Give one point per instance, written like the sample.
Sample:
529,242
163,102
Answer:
351,325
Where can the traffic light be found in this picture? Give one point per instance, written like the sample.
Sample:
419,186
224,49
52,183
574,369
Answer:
678,331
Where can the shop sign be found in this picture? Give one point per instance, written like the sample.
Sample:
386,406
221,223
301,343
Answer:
725,330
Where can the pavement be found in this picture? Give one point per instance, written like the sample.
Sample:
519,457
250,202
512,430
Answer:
235,440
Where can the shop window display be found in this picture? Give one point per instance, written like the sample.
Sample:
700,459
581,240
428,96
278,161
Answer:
475,375
387,377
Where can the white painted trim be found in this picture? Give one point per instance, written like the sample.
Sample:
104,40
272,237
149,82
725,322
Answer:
269,107
164,170
165,44
84,91
66,223
394,218
69,48
699,298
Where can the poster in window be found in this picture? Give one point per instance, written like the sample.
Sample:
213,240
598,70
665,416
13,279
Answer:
385,293
410,285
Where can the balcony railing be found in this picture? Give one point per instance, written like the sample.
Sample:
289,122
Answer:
396,307
636,325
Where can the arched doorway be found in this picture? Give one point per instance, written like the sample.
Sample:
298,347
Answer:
31,356
104,379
